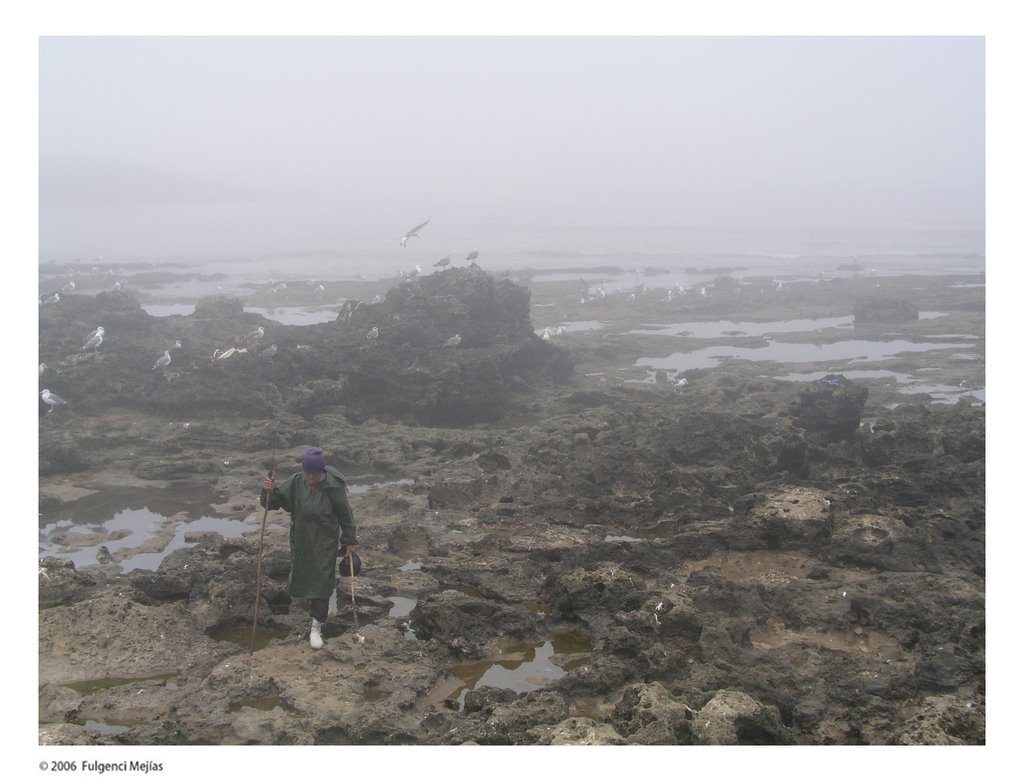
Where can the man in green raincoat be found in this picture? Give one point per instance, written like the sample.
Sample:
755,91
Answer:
321,521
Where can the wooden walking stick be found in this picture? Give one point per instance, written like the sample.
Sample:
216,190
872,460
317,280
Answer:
259,558
352,586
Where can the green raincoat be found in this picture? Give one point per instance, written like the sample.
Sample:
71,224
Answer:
321,521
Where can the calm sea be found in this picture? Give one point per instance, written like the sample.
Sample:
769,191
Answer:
660,255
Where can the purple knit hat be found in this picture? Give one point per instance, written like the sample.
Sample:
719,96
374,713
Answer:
313,460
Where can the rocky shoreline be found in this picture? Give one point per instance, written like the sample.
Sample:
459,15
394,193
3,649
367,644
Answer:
561,545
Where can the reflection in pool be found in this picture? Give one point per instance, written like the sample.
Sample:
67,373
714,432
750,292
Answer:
721,329
841,351
297,316
110,540
525,667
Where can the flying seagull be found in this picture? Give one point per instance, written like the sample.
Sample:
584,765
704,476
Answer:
473,255
444,262
413,232
52,400
163,362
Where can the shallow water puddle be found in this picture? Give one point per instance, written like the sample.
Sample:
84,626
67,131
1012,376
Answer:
112,539
623,538
296,316
227,528
401,606
242,635
86,688
721,329
162,310
367,487
523,667
845,350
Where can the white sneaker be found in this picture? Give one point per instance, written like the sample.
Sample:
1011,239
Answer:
315,640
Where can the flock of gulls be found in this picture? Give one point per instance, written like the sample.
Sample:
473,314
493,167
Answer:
92,343
94,340
473,255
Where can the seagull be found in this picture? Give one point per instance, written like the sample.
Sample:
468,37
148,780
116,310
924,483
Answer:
372,335
163,362
320,287
52,400
42,368
473,255
269,352
256,334
231,352
93,343
546,335
52,299
444,262
69,286
682,382
413,232
452,342
98,331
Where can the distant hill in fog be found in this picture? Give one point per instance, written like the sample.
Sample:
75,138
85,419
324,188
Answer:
66,181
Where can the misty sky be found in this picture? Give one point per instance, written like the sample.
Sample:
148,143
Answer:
146,140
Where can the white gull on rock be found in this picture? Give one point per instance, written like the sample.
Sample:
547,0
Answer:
52,400
93,343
